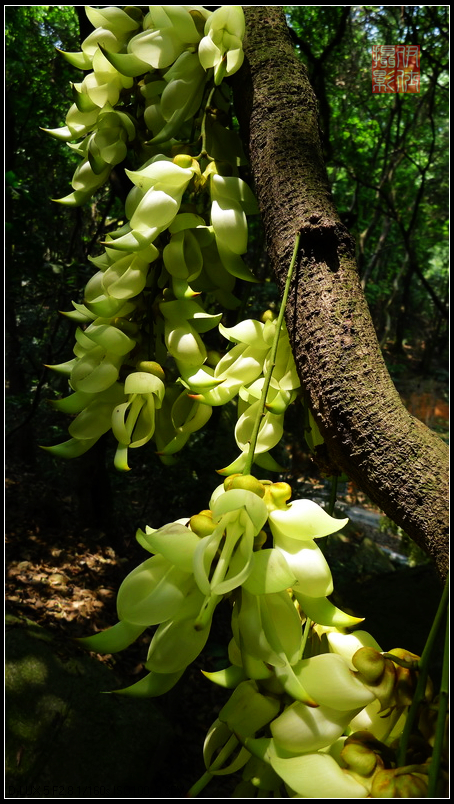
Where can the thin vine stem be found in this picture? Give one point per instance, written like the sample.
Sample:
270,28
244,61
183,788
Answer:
423,675
332,494
203,134
223,755
307,627
261,411
199,785
440,728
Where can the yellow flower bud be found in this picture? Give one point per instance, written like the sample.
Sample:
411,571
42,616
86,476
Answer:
384,687
248,482
359,758
202,524
277,495
151,367
183,160
370,663
260,540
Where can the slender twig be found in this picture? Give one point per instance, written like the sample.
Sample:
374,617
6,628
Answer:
272,362
332,494
203,134
440,728
223,755
422,679
307,627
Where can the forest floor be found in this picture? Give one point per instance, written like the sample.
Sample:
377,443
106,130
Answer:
65,578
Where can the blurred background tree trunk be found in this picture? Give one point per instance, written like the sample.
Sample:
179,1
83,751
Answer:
368,433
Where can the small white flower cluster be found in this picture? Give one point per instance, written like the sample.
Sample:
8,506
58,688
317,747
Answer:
185,234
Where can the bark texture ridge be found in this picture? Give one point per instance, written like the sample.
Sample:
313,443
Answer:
397,461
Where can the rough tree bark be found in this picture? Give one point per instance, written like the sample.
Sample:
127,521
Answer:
396,460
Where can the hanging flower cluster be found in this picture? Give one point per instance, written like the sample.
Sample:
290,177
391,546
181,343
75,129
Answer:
330,702
153,95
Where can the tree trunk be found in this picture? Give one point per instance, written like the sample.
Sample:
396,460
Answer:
397,461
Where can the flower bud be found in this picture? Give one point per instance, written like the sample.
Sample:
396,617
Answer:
364,754
365,737
384,687
405,655
183,160
359,758
202,524
277,495
370,663
268,315
260,540
229,480
151,367
248,482
406,677
395,783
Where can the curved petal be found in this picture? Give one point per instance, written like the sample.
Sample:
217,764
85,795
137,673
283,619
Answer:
153,592
270,573
329,680
317,776
310,568
304,519
301,728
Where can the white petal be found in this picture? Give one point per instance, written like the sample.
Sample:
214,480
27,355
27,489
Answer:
301,728
317,776
310,568
330,682
230,225
152,592
304,519
156,210
346,645
209,53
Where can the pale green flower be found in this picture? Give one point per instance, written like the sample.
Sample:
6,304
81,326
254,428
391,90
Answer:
223,560
221,47
301,728
329,680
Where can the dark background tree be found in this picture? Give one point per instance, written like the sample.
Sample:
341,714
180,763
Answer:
385,157
368,433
